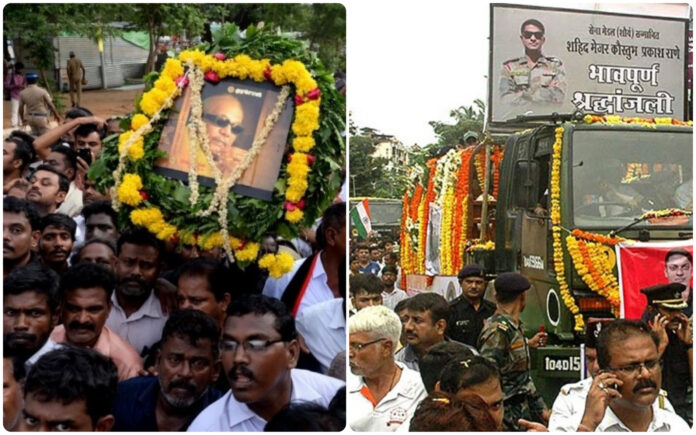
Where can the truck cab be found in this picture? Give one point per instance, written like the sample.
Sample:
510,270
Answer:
610,175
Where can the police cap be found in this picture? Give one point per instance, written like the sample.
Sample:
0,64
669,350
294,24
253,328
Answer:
32,76
471,270
666,295
512,282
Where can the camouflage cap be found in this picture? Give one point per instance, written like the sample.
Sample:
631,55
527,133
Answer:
469,134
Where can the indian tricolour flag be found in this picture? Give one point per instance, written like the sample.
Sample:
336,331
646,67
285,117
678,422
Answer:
360,216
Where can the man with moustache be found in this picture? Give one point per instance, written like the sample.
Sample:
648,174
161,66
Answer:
30,309
624,393
572,397
203,285
48,189
425,325
137,314
469,311
187,367
85,290
259,350
20,233
56,241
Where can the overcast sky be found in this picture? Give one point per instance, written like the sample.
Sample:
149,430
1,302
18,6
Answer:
413,62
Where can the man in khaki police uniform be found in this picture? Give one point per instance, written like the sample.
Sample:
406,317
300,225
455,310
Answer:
38,103
532,78
76,78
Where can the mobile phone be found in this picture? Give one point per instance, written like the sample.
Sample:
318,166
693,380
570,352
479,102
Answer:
86,155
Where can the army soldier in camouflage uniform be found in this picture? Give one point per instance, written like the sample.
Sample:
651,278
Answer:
532,78
502,341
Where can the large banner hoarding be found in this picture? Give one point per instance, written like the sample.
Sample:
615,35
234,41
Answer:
597,62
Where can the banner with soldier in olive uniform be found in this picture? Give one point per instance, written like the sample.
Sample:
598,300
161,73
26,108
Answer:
559,60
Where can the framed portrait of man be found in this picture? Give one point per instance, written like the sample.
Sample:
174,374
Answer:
234,112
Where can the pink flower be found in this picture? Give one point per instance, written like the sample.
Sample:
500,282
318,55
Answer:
182,81
219,56
267,73
299,100
144,195
212,77
310,159
289,206
314,94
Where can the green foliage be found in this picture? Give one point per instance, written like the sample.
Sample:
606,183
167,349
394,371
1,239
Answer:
465,118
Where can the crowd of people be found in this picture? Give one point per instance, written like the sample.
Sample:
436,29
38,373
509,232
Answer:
421,363
106,327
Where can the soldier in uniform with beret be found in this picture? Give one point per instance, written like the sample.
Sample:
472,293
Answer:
665,305
532,78
502,340
469,311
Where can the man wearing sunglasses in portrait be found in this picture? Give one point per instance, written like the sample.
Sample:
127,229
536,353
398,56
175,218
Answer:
223,116
532,78
259,352
624,395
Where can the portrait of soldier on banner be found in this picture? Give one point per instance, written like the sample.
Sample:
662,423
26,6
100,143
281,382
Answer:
234,113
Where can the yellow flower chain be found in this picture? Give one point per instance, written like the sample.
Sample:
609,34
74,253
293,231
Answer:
566,295
446,233
129,190
420,256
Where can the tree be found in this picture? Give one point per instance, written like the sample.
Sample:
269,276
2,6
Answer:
160,19
465,118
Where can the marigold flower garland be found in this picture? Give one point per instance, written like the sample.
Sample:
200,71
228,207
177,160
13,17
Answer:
594,269
647,122
127,188
566,295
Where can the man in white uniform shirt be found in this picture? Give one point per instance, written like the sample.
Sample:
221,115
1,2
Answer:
259,352
382,393
624,395
570,401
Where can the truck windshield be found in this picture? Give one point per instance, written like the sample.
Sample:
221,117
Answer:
619,175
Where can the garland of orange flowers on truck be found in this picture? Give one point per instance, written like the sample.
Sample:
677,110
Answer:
588,252
556,229
461,215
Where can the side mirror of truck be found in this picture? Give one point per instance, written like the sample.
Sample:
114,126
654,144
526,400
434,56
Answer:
526,184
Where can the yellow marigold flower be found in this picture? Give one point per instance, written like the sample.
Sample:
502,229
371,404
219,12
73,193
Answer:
129,190
138,121
278,75
166,85
166,232
186,238
588,119
210,241
267,261
303,143
148,104
285,261
135,150
157,95
294,216
145,216
172,69
248,253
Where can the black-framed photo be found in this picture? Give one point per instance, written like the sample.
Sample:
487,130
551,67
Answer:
235,113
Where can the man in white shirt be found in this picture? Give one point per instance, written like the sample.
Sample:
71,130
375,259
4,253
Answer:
323,328
570,402
259,352
315,279
136,314
391,295
624,393
382,393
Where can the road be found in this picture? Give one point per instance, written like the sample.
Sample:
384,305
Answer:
104,103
